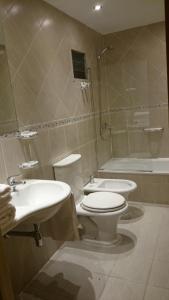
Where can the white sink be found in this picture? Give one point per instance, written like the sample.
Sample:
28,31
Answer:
38,200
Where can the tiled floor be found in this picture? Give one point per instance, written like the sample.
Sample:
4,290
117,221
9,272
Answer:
138,269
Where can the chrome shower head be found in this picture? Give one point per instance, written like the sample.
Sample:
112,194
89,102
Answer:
104,51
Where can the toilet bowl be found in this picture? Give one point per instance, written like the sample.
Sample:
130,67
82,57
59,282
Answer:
104,208
120,186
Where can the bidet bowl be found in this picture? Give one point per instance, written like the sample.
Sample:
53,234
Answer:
120,186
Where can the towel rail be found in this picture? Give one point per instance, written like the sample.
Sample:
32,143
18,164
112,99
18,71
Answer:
152,130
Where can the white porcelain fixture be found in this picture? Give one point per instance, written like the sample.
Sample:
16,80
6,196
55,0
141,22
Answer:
151,166
67,161
38,200
120,186
104,208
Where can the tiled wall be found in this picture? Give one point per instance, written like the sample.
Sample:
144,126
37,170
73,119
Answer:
39,40
134,80
8,119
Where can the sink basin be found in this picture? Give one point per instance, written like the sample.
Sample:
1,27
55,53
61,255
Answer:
38,200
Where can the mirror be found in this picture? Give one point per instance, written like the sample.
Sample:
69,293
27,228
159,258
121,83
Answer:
8,119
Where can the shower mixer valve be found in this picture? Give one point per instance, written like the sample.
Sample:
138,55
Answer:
84,85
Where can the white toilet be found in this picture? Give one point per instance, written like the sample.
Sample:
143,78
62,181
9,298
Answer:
104,208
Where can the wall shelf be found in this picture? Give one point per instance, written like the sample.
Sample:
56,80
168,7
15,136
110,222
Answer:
29,165
26,135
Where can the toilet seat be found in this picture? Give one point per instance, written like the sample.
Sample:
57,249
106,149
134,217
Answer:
103,202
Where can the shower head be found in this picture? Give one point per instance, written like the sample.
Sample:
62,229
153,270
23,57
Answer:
104,51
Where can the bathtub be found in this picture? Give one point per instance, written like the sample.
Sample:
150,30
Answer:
137,165
150,175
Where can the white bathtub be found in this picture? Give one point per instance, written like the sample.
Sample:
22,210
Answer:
137,165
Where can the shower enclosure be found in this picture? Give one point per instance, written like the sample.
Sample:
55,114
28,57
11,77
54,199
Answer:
133,100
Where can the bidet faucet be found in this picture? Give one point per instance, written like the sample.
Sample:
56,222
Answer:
11,180
91,179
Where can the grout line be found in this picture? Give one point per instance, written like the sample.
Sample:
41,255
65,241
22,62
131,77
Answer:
50,68
28,50
77,119
71,120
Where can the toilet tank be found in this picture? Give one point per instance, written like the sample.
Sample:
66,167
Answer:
69,170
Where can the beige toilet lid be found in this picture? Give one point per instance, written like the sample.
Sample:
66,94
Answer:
103,201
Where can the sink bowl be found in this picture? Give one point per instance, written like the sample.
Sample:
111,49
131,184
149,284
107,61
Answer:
38,200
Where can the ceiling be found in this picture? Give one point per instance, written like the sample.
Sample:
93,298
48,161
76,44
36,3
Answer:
116,15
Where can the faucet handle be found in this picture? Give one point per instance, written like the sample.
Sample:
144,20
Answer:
11,180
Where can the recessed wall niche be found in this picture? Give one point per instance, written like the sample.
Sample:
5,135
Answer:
79,64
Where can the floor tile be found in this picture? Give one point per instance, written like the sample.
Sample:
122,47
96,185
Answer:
159,276
102,263
162,249
65,281
133,268
146,243
118,289
154,293
82,271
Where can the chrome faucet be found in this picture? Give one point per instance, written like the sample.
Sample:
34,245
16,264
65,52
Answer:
91,179
12,182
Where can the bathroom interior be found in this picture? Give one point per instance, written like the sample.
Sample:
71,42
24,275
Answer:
84,150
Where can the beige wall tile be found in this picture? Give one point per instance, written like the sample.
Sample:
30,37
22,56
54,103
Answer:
134,74
58,143
39,40
13,155
72,138
41,65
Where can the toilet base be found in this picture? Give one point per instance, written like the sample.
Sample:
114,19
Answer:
98,243
107,229
106,224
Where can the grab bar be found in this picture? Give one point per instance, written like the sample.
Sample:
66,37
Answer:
130,170
151,130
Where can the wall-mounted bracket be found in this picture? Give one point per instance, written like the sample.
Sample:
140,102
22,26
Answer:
35,234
